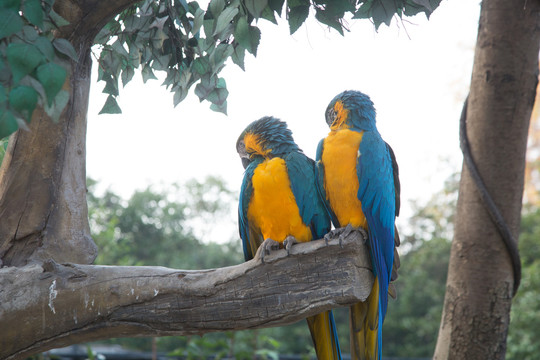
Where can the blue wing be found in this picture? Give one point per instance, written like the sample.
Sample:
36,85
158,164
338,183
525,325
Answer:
319,175
301,170
250,240
376,191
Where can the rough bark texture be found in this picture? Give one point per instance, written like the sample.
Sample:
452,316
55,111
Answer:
480,280
43,211
52,305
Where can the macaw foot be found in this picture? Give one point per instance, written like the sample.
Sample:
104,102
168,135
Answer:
267,246
288,243
343,232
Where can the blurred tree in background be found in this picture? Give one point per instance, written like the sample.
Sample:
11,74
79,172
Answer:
157,227
525,316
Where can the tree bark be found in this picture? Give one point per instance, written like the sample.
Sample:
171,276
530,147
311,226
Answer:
43,211
480,281
52,305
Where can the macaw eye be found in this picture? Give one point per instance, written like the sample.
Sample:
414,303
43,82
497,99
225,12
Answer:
331,116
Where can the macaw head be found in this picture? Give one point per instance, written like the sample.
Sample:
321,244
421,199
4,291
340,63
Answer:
265,138
351,110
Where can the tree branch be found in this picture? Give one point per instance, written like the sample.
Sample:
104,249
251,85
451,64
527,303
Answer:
88,17
67,304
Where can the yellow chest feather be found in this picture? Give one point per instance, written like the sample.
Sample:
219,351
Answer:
341,152
272,208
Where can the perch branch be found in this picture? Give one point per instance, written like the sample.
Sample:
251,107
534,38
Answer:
62,304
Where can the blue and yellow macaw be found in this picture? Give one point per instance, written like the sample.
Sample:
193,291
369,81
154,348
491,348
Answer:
357,177
279,205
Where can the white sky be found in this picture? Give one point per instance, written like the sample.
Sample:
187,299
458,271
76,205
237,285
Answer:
417,72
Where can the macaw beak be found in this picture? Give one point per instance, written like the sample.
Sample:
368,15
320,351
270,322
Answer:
245,162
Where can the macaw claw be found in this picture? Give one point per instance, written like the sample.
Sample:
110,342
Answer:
343,232
288,243
267,246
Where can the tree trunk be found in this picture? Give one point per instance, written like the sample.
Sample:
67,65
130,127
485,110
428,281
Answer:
480,280
43,211
52,305
43,184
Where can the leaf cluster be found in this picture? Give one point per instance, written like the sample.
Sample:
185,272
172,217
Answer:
33,64
191,45
166,35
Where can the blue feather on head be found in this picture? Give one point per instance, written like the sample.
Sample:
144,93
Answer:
267,137
351,109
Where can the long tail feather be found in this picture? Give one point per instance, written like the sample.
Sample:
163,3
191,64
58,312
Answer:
366,326
324,334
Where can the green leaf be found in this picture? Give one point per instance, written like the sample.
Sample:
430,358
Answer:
110,60
5,72
247,36
23,59
3,96
36,85
201,65
337,8
179,94
105,33
161,63
111,106
10,4
423,3
198,19
205,87
218,96
33,12
219,108
24,100
64,47
327,19
45,46
111,86
225,19
29,33
256,7
383,13
268,14
297,15
159,22
364,11
135,23
57,19
185,79
221,53
238,56
10,24
134,55
8,123
60,101
216,7
119,48
52,76
147,73
208,26
127,75
413,7
276,5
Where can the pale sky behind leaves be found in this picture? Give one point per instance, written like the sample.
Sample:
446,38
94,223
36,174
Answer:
417,72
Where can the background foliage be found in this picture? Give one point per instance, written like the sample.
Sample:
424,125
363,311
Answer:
158,228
